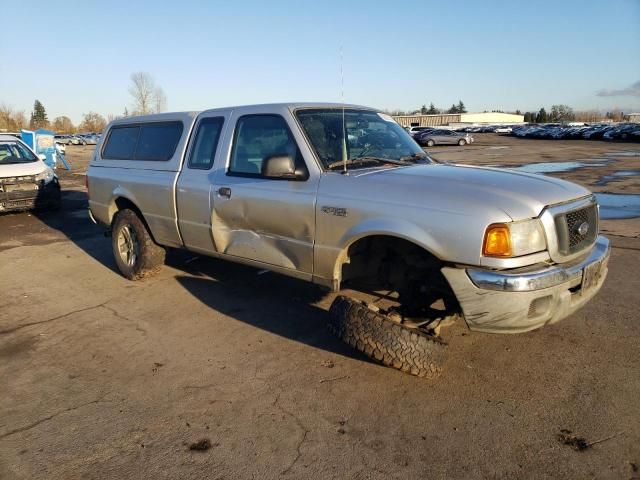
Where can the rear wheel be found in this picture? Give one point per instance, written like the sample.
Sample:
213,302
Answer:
430,143
462,142
135,252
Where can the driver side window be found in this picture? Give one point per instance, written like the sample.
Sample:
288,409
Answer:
258,137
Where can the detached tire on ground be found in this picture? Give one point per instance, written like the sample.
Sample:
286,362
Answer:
135,252
386,341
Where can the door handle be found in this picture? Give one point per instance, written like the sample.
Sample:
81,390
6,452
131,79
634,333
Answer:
224,192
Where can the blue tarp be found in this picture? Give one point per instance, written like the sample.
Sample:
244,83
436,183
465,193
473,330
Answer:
42,142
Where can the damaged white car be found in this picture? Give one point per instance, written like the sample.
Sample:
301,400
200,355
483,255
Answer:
26,182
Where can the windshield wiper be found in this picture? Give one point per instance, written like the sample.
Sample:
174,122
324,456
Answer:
364,160
416,157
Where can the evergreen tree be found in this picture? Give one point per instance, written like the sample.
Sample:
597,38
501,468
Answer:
126,112
38,116
518,112
423,110
461,108
432,109
453,109
542,116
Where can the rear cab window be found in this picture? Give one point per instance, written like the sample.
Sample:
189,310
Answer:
121,143
205,144
146,141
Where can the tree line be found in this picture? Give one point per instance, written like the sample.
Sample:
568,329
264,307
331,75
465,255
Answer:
564,113
557,113
432,110
147,98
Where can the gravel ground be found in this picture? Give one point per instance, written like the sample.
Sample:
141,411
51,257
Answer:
213,370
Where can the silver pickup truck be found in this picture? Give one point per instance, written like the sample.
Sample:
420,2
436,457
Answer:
340,195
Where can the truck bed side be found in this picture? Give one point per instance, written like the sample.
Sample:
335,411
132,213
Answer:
144,185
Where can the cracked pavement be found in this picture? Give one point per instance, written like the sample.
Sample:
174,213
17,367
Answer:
106,378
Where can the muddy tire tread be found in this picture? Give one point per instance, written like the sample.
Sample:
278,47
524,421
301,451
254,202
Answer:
152,255
386,341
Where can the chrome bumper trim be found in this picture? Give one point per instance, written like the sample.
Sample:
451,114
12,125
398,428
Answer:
545,278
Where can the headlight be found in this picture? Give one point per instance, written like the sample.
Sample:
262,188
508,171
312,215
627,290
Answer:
514,239
47,176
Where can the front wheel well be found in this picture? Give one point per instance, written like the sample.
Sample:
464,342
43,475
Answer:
385,263
383,258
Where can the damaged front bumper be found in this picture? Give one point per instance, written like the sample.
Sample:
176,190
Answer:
25,193
524,299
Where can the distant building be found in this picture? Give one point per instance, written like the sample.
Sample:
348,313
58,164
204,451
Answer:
492,118
634,117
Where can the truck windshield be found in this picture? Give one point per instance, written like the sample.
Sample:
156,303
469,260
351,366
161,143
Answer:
13,152
369,136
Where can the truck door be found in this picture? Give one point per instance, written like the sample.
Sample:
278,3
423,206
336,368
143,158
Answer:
257,218
195,184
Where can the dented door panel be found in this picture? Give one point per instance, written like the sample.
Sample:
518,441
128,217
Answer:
271,221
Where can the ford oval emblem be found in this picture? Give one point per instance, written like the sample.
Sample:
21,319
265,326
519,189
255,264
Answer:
583,229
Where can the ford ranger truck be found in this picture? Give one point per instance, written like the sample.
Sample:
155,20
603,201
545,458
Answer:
341,196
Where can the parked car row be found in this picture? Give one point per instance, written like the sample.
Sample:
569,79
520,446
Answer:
621,132
78,139
501,128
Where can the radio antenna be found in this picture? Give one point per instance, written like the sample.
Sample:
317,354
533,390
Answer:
344,124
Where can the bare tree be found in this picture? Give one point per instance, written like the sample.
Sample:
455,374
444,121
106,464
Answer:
12,120
561,113
142,90
20,119
6,117
160,100
63,125
92,122
589,116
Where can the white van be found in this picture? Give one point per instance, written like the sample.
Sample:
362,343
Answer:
25,181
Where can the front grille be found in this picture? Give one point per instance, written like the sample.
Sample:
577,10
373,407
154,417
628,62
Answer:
19,193
571,227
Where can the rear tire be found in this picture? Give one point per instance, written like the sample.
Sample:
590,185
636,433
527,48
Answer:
409,350
135,252
462,142
430,143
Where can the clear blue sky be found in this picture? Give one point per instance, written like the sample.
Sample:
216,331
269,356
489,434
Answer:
77,56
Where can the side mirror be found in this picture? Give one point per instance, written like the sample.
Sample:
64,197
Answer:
282,167
42,156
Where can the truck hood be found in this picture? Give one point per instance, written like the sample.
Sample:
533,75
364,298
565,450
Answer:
21,169
520,195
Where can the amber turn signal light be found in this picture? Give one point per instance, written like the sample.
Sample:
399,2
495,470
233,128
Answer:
497,241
